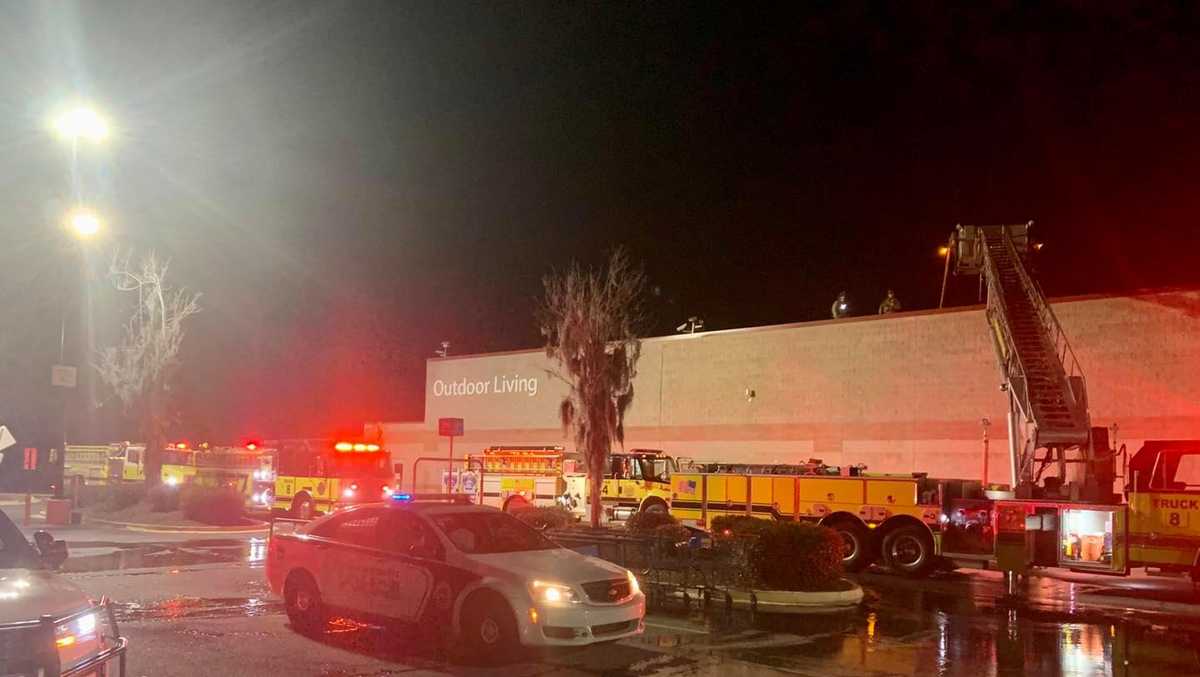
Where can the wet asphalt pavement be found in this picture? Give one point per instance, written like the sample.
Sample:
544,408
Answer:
204,608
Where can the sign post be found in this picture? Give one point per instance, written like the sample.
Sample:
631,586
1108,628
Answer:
31,459
450,427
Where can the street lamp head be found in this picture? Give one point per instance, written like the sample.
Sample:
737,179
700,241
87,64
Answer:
81,123
83,223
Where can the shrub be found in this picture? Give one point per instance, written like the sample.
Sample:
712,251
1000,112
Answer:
645,522
163,498
739,526
211,505
798,556
545,517
121,496
673,533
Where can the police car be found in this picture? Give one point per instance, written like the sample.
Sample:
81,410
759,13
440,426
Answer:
492,579
47,624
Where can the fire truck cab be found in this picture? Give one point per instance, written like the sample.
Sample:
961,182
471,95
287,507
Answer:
318,476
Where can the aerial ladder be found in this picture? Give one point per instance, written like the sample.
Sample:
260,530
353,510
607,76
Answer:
1049,428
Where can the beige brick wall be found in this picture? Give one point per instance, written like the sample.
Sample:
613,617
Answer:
899,393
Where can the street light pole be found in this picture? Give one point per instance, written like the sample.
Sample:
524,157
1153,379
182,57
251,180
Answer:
73,125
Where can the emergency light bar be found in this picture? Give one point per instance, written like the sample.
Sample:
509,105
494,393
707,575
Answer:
355,446
431,498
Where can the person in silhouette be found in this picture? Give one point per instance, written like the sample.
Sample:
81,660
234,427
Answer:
890,303
841,306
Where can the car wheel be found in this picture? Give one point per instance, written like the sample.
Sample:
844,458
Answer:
856,549
909,551
488,627
302,508
303,602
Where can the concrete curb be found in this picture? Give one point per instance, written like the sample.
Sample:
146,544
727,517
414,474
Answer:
182,529
794,602
1121,603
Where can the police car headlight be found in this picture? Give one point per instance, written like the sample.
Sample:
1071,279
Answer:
70,634
86,624
552,593
634,588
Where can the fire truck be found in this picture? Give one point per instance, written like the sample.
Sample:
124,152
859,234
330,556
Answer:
1059,508
236,466
514,477
317,476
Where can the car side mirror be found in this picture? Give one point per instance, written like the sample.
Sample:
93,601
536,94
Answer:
53,553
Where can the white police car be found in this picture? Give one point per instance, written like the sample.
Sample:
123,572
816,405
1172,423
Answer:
47,624
495,581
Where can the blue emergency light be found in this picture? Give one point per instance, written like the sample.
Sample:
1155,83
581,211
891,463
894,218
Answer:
402,497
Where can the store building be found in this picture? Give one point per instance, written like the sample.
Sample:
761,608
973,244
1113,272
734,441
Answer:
901,393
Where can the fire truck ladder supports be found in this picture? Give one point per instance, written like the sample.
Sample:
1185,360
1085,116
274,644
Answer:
1041,374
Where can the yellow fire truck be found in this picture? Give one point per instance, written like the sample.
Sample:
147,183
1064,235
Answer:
634,480
871,512
316,476
515,477
238,467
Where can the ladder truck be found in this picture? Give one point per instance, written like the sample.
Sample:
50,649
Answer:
1060,508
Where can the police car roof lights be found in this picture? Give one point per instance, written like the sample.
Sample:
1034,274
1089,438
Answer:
431,498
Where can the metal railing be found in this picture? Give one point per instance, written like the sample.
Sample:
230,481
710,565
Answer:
29,647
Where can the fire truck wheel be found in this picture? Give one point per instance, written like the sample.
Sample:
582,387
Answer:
302,507
909,551
857,552
655,505
488,626
303,602
515,504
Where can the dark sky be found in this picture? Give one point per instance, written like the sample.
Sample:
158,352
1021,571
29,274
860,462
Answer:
350,183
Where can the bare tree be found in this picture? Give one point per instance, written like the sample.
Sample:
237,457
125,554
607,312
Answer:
140,368
590,320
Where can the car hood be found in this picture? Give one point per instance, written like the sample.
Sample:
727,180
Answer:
27,594
558,565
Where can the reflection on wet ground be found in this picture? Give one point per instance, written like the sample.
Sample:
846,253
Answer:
956,624
104,556
197,607
960,627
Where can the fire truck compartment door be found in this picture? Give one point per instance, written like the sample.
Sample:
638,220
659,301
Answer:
1094,538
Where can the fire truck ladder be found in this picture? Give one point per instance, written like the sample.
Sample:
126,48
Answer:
1045,385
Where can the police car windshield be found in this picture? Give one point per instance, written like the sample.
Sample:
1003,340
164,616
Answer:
483,533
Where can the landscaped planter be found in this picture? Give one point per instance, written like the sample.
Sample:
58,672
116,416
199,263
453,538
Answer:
796,602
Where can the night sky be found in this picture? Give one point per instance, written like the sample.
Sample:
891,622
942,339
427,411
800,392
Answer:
348,184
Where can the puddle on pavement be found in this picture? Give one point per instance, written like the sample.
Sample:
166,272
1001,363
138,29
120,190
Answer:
183,553
197,607
952,629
